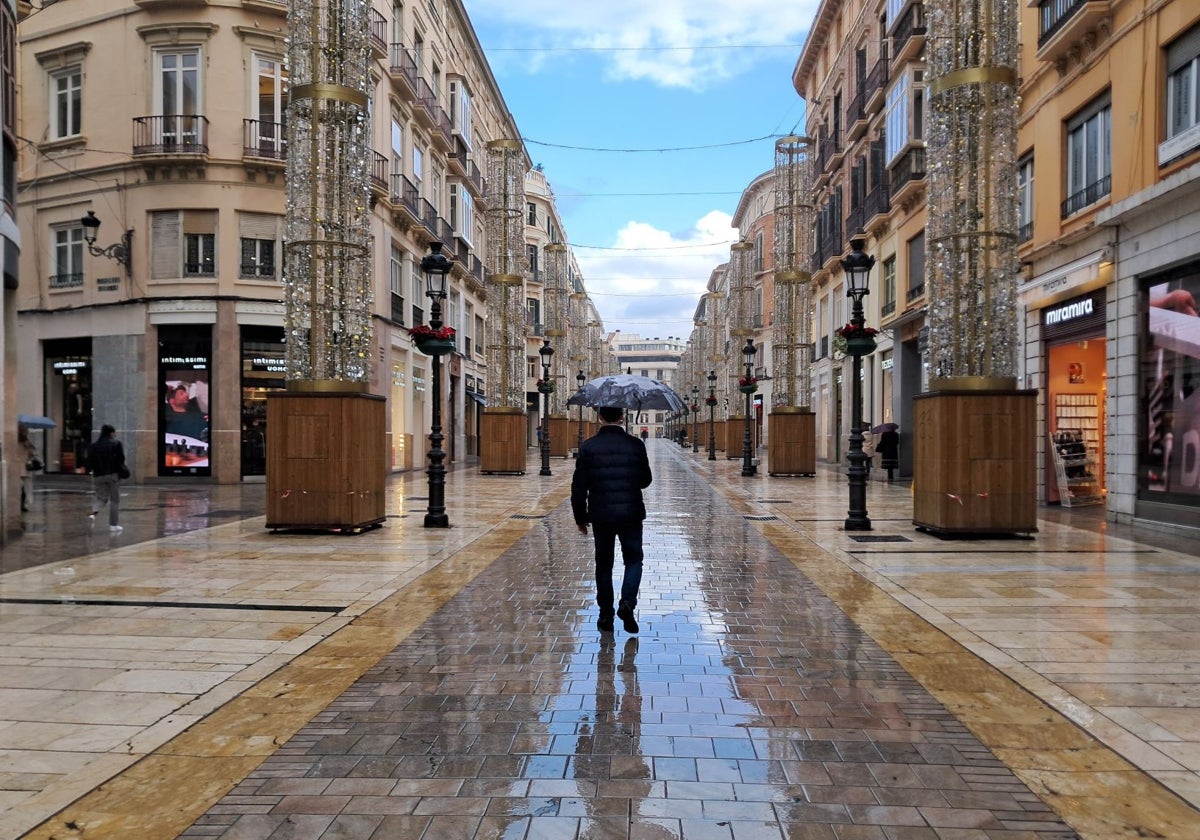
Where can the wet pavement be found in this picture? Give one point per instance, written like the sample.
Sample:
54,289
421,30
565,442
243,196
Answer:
790,680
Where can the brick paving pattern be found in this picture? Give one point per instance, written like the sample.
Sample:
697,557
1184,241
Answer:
749,708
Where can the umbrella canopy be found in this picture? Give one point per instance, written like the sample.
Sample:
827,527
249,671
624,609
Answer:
625,390
884,427
35,421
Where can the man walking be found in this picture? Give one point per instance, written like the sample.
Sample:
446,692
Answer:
107,462
606,491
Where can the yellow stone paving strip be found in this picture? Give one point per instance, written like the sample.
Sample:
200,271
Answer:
165,792
1095,790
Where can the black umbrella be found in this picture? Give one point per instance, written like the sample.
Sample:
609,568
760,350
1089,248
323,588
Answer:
884,427
625,390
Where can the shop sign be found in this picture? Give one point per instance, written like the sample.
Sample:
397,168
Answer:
1069,311
69,368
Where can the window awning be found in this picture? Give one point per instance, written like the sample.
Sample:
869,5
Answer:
479,398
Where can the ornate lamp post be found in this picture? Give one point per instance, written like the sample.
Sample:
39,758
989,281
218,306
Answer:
121,251
436,267
580,379
546,386
860,341
748,385
712,406
695,418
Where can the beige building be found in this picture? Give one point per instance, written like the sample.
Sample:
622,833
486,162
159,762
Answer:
862,74
655,358
12,403
183,164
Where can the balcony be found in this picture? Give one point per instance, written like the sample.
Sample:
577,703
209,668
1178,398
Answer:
72,280
828,152
1025,232
1064,23
916,292
397,309
264,141
379,175
856,116
878,205
406,200
403,71
829,247
378,34
1087,196
888,308
427,99
876,84
457,159
856,221
907,174
908,35
175,136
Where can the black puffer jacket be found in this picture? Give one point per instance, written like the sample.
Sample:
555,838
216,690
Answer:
610,472
106,456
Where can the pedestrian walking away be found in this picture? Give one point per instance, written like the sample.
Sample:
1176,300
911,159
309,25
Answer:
606,492
106,460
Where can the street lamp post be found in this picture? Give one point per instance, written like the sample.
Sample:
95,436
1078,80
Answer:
580,379
695,418
712,405
436,266
859,342
748,387
546,386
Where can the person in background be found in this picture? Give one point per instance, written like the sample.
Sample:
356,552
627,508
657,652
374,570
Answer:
889,451
606,491
30,463
107,463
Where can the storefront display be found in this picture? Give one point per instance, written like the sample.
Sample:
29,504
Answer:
69,403
263,372
184,369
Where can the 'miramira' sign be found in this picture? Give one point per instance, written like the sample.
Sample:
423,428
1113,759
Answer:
1069,311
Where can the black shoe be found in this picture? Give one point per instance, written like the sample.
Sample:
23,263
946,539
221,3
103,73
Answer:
605,623
625,613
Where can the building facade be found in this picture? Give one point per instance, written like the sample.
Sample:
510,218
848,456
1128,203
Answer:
655,358
1110,250
12,456
182,315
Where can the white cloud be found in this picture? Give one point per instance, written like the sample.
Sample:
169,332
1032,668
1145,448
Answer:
673,43
652,280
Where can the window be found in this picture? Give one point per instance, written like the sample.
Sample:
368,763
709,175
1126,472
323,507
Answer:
178,95
758,251
467,326
1089,156
418,169
462,212
1025,199
418,292
916,267
259,233
1183,96
889,286
533,314
66,89
904,114
436,180
531,214
183,243
68,258
479,334
396,284
534,270
460,110
270,103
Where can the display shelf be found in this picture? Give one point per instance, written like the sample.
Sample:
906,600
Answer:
1075,468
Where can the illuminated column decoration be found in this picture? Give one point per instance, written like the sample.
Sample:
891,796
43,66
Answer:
740,311
596,353
972,218
577,334
327,286
791,357
556,317
508,263
717,339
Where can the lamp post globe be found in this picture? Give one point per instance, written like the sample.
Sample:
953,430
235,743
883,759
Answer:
749,351
712,406
436,267
857,267
546,352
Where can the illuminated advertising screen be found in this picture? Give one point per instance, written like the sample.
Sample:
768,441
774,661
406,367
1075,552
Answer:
1169,446
184,410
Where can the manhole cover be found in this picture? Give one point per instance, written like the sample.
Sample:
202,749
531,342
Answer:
881,538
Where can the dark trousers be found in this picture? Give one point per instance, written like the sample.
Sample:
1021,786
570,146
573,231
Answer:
630,535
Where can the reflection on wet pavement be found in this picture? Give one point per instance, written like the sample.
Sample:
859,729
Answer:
750,706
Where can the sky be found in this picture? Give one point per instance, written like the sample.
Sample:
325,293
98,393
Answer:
649,120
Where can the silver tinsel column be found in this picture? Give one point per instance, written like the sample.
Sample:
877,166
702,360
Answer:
791,356
972,53
327,285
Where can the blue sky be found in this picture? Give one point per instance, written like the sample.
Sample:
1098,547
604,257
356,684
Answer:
647,226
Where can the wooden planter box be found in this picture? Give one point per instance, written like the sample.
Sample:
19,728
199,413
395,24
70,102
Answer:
792,447
562,437
735,432
327,460
974,462
502,442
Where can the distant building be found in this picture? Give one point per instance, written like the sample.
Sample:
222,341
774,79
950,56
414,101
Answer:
655,358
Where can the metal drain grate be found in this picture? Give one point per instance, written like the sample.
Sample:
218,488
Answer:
528,516
881,538
760,518
774,501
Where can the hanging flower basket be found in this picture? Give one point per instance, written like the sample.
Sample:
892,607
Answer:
545,387
432,342
710,401
748,384
860,341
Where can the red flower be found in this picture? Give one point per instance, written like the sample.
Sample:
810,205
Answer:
851,331
426,331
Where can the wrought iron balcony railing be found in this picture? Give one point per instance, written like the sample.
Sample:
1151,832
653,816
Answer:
170,134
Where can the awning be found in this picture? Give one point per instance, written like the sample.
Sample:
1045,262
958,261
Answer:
479,398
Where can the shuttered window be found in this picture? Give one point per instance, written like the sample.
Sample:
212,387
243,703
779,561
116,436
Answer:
183,244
